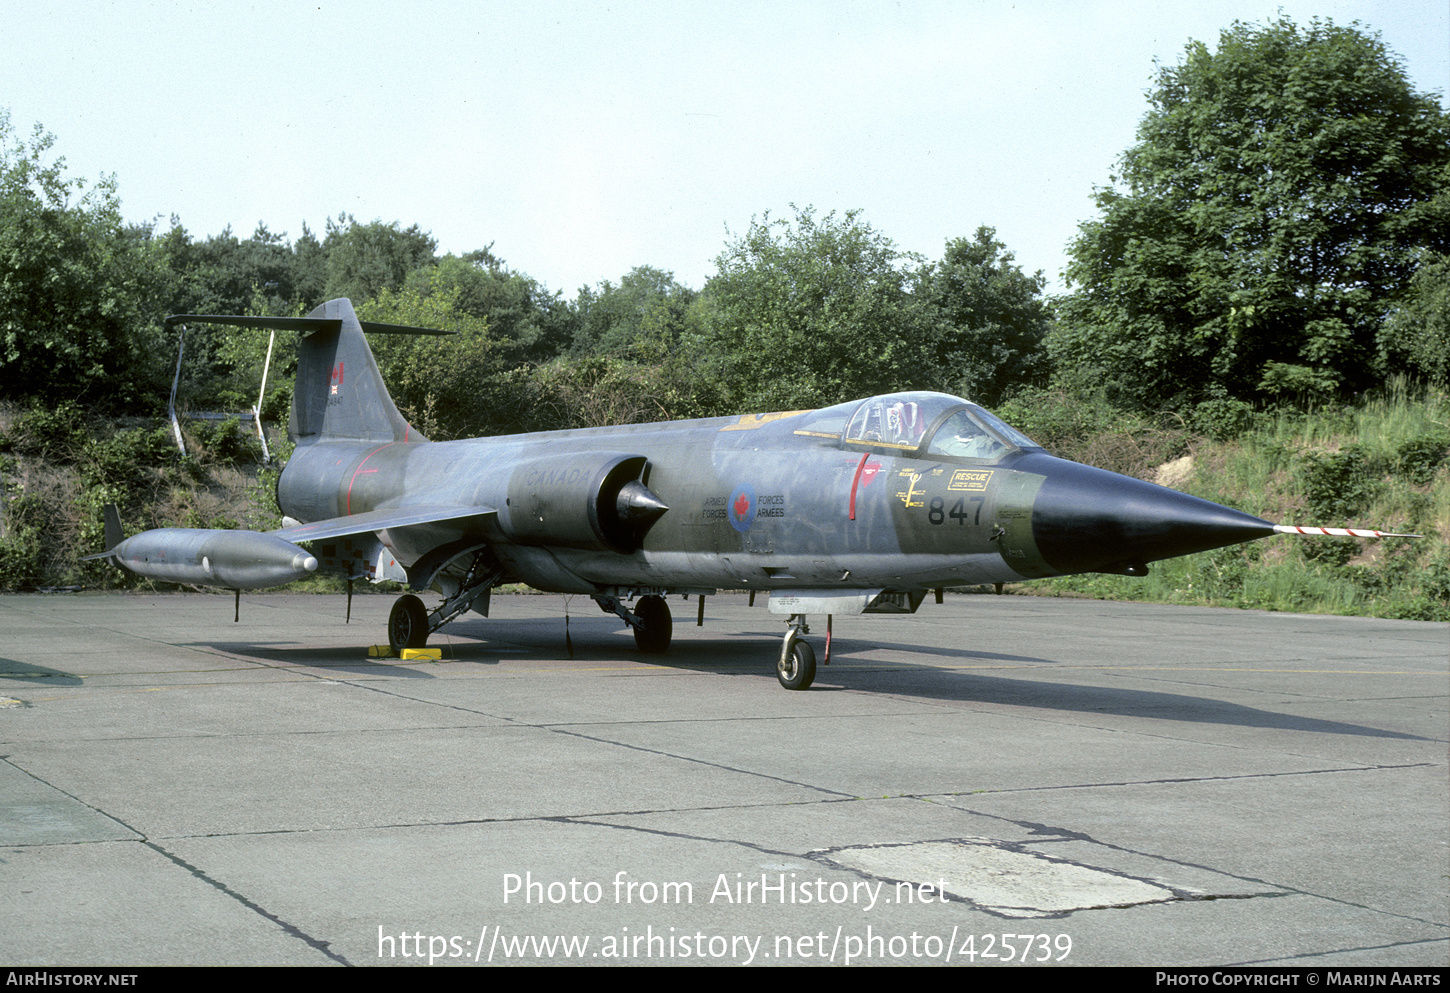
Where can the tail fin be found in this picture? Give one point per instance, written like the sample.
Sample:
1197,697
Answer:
340,392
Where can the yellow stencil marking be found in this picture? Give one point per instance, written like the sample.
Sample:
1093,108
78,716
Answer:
971,480
910,491
749,421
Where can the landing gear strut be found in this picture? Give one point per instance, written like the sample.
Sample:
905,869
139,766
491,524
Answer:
410,624
650,619
796,669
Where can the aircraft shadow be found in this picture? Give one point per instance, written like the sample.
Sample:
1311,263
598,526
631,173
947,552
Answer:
26,673
602,639
1076,698
332,659
486,642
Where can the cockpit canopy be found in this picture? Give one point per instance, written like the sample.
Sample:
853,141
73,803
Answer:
919,424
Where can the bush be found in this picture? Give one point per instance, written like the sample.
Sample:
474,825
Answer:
128,458
56,434
1420,458
225,443
1223,419
1339,485
1330,551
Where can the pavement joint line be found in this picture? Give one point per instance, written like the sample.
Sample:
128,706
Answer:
141,839
636,748
91,807
1183,780
1282,888
585,818
322,946
1312,956
704,762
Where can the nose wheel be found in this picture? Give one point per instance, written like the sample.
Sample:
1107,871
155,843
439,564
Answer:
796,669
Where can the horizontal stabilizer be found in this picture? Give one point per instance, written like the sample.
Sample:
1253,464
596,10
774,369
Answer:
378,520
304,325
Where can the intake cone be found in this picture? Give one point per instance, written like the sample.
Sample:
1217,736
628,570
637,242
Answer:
637,509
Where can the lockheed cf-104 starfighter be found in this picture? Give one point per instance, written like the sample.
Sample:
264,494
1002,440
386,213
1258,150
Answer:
861,507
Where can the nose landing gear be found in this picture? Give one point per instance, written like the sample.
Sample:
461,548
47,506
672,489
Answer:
796,669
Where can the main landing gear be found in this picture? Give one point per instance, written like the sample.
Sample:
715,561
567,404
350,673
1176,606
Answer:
653,626
410,623
650,619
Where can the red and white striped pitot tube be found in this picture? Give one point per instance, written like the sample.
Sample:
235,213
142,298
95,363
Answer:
1341,532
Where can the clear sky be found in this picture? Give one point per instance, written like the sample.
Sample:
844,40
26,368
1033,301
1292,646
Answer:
583,139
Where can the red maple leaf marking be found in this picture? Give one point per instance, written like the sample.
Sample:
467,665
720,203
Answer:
742,505
337,373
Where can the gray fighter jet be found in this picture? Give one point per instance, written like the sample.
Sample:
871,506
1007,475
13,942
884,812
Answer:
858,508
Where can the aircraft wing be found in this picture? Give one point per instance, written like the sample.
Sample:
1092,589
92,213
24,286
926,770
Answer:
377,520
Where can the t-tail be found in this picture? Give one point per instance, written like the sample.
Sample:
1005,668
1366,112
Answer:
339,394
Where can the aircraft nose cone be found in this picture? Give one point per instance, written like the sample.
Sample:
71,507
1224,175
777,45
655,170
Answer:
1086,519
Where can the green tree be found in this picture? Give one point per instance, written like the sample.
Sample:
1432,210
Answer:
1418,331
526,322
77,290
445,386
995,320
1266,220
815,311
309,270
225,275
261,275
599,390
365,259
642,318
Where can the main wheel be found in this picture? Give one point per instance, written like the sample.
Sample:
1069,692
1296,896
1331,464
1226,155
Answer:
407,624
798,670
655,625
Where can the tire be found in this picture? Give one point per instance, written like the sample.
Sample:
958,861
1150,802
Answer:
407,624
655,625
799,669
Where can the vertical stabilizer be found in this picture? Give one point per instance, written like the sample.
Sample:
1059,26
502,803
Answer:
340,393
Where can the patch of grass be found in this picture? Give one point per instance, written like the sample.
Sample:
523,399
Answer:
1383,465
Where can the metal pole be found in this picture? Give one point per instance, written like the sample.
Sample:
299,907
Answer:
171,404
257,410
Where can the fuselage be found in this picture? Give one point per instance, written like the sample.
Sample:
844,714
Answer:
906,491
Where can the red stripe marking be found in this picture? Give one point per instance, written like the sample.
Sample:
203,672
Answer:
856,482
358,470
